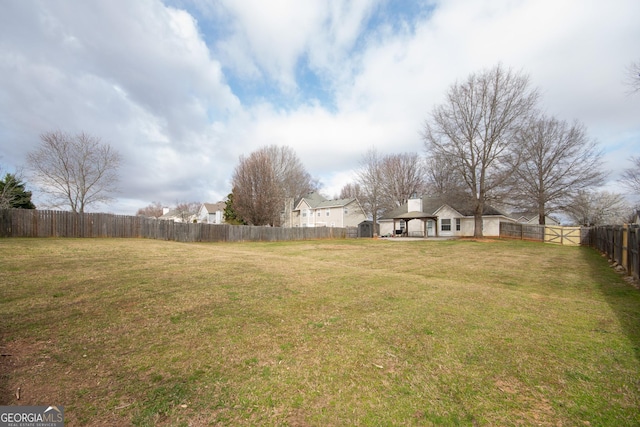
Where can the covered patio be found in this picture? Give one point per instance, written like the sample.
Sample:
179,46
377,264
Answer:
408,216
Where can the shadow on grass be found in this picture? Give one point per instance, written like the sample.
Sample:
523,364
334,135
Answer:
622,297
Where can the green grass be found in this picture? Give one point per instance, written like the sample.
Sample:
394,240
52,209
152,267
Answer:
347,332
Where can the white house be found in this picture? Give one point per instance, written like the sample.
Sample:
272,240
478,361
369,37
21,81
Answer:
313,210
212,213
177,215
431,216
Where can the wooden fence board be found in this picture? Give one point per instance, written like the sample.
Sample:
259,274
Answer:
49,223
515,230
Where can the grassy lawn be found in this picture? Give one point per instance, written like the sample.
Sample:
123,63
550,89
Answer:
322,333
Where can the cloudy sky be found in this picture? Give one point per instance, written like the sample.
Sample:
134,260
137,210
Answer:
182,88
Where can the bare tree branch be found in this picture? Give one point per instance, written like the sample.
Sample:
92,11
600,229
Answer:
370,180
631,176
590,208
403,175
559,161
265,180
633,77
477,127
351,191
443,179
187,211
76,171
153,210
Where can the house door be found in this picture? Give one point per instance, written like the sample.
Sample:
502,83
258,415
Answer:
430,232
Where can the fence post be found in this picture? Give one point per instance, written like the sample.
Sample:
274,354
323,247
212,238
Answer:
625,246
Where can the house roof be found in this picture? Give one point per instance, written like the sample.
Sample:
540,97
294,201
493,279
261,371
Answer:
530,215
315,201
431,205
414,215
172,213
214,207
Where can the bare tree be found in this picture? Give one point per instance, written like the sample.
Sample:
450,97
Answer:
559,160
187,211
265,180
631,176
633,77
590,208
370,180
351,191
478,126
443,179
153,210
403,175
76,171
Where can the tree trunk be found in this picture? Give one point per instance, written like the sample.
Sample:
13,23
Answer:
477,229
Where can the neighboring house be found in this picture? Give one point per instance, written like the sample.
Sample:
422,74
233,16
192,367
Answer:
313,210
532,218
431,216
212,213
636,217
176,216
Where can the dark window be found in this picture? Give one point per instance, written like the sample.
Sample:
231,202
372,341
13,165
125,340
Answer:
445,225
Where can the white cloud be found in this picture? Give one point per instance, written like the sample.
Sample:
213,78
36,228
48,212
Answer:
138,74
152,79
269,39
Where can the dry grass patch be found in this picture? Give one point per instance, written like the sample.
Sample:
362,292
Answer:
354,332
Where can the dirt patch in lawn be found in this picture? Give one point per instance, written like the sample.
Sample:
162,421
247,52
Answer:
21,365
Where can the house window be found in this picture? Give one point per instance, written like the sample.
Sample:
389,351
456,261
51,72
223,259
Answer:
445,225
304,212
346,211
327,211
457,224
318,213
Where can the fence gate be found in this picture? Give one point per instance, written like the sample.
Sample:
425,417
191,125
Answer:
562,235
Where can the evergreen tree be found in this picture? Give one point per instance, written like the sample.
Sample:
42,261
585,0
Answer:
13,194
230,215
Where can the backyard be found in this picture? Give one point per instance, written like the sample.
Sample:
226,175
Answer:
318,333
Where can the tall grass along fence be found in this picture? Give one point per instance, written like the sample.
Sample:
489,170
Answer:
621,243
49,223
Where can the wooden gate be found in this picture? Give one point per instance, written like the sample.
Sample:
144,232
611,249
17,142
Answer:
569,236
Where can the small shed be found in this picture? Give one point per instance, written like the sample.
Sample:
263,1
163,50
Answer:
367,229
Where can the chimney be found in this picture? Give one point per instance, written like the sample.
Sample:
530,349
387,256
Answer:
414,204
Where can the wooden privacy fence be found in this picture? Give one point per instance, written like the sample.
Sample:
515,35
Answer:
48,223
516,230
571,236
621,243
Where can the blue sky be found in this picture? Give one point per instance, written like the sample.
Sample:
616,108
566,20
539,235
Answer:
182,88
